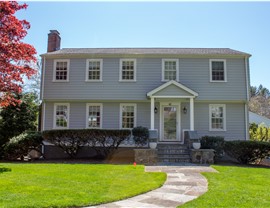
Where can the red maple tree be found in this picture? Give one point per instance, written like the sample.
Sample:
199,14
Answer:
16,57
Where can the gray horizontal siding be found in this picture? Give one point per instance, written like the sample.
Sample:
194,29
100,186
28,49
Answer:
235,117
194,73
110,118
235,121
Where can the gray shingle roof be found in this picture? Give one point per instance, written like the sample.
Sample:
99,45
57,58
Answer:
149,51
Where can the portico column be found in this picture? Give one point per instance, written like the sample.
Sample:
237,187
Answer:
152,119
191,107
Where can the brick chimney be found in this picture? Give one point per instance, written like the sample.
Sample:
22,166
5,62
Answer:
54,41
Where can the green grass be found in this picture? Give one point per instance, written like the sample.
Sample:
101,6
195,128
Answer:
69,185
235,187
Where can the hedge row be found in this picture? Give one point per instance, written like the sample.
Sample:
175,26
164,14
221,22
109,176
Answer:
247,151
71,140
243,151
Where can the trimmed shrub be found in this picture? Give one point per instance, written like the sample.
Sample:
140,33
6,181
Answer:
213,142
103,141
140,135
247,151
21,145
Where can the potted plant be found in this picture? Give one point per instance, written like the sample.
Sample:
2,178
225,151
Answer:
153,143
140,136
196,143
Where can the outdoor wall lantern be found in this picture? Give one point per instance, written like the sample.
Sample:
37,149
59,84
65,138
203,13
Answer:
155,110
185,110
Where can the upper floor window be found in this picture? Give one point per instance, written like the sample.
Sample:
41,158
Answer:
217,117
61,70
61,115
218,71
127,70
170,69
94,115
127,116
94,70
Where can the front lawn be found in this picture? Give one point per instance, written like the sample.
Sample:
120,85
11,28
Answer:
70,185
235,187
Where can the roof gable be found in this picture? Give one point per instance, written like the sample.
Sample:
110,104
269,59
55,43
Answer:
172,89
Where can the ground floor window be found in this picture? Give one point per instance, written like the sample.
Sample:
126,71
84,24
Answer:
94,115
61,115
127,116
217,117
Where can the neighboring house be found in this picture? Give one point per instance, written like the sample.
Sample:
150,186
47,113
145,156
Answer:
257,119
168,89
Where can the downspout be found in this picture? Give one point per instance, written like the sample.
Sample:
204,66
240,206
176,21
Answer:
247,98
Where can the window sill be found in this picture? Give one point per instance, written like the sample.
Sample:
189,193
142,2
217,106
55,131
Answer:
127,81
60,81
93,80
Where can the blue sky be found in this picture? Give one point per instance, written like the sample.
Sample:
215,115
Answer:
243,26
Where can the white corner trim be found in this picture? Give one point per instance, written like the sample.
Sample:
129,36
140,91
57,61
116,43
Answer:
43,77
43,116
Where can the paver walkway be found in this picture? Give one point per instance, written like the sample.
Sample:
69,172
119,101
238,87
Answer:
184,183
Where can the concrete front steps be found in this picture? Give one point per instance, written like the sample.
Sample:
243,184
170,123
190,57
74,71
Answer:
173,153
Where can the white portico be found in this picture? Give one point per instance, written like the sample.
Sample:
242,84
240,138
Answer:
170,95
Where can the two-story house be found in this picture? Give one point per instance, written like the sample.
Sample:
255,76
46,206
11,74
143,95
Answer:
168,89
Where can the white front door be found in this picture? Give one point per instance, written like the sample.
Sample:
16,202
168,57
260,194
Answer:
170,122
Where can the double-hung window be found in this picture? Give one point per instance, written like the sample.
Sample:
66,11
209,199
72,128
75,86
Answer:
217,117
61,70
170,69
128,116
218,71
127,70
61,115
94,115
94,69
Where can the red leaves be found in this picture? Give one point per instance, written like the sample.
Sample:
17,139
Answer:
16,57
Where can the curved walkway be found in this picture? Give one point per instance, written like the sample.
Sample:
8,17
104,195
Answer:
183,184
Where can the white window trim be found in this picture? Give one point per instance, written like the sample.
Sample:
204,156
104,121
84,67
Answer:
135,114
135,70
87,70
225,70
54,115
163,69
224,117
54,69
87,114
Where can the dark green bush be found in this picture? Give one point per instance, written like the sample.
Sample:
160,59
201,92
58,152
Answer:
247,151
22,144
140,135
213,142
103,141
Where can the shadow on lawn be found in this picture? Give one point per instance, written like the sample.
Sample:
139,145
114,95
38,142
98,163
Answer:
4,170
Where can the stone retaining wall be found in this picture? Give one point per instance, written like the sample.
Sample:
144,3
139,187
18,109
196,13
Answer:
146,156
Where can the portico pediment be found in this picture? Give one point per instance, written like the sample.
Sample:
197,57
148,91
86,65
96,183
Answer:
172,89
